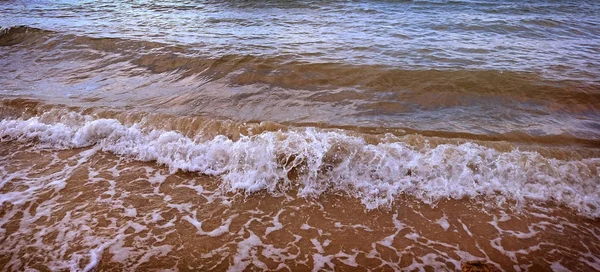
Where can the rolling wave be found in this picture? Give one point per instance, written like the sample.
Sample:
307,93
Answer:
312,161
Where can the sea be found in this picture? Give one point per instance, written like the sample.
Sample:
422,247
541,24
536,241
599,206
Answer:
299,135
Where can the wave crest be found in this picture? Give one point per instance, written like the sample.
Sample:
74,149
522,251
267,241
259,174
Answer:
315,161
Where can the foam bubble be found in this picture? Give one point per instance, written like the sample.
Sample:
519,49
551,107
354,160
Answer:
443,222
215,232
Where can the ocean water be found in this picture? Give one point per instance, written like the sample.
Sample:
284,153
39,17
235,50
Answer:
299,135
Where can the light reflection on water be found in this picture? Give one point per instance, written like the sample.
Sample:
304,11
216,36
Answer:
558,39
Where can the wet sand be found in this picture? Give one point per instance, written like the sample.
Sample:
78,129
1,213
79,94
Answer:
85,208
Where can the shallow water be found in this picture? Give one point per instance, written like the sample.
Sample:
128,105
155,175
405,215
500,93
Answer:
299,135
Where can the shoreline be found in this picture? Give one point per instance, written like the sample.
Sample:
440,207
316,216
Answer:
151,220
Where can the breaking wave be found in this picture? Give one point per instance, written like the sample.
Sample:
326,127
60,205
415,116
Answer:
313,161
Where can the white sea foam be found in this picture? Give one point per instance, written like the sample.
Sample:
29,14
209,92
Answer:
223,229
443,222
334,160
276,224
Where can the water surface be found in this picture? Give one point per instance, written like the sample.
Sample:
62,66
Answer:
299,135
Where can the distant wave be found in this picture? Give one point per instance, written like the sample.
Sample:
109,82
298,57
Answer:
282,71
17,34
